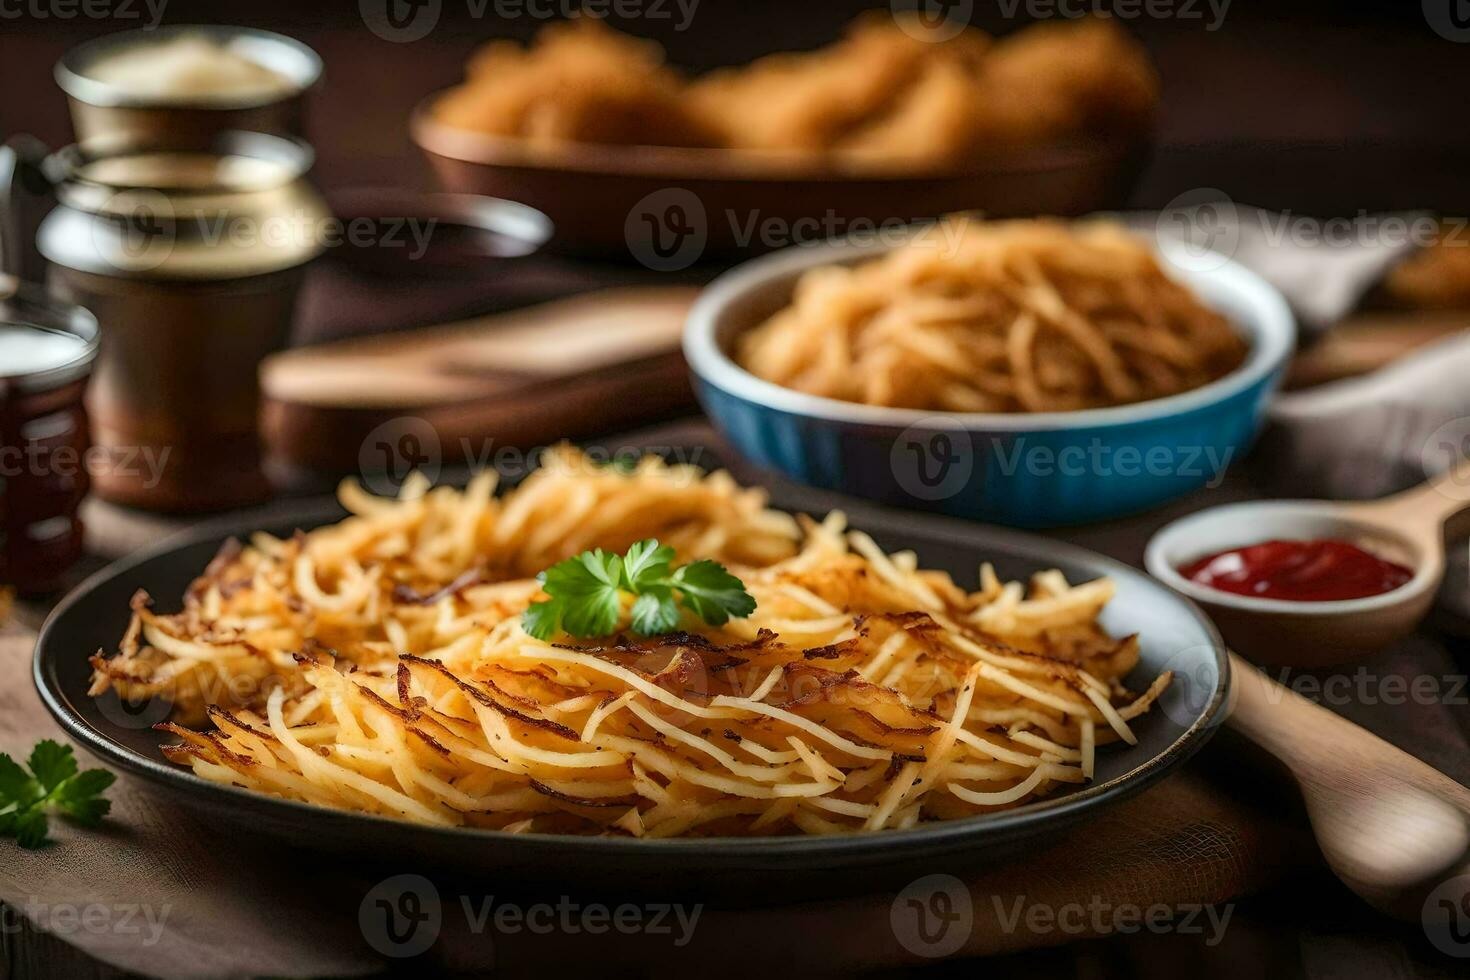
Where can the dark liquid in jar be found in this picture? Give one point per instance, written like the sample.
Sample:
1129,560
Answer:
1301,571
43,455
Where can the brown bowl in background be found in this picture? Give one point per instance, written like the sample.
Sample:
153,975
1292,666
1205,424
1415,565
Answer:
613,200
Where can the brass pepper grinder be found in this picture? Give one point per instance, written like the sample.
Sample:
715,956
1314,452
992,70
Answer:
191,260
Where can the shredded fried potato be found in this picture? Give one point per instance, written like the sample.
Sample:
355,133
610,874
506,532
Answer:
380,665
1012,316
894,90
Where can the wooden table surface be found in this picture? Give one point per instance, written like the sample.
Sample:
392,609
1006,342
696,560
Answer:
1314,928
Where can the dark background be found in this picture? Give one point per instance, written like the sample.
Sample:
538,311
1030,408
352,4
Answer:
1316,106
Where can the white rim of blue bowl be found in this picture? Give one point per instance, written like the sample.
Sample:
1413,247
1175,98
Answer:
1272,338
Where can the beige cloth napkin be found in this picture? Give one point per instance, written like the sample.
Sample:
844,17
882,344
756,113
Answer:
1324,269
182,897
1369,436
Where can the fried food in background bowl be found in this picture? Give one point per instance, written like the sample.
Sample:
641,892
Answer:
580,82
884,98
889,123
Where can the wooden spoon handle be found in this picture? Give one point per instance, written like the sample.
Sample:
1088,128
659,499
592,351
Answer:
1389,825
1367,341
1426,507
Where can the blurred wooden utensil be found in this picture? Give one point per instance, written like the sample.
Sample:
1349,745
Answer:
1391,827
597,362
1369,340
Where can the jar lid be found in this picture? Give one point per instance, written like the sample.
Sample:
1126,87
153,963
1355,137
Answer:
43,344
298,65
231,207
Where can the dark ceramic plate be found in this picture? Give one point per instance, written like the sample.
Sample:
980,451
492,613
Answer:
1175,636
390,231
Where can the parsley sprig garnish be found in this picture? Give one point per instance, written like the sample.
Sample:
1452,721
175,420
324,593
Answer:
587,593
53,783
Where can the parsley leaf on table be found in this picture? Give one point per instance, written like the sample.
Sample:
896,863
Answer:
53,782
16,785
52,764
586,593
80,797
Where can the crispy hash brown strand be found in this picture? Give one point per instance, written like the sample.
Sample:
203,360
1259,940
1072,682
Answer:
1012,316
380,665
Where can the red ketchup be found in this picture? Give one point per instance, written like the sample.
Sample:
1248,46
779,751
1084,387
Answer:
1301,571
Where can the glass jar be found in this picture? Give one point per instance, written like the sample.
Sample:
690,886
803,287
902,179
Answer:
46,356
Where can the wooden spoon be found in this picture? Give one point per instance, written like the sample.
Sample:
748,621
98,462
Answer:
1390,826
1365,342
1407,527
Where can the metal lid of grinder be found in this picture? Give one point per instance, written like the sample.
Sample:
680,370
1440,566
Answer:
83,72
238,207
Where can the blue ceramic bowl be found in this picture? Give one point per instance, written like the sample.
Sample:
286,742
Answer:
1026,470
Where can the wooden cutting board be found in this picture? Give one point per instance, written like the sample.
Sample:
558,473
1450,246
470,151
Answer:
594,363
1369,340
597,362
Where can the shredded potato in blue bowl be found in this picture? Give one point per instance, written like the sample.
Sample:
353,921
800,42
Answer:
1029,373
